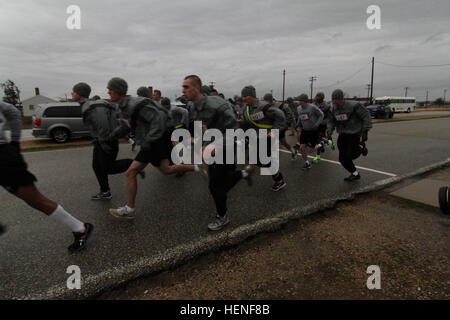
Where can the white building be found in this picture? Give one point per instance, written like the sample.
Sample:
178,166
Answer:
29,105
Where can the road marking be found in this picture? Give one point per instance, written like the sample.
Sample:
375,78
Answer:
358,167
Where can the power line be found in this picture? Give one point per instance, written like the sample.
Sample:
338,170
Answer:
348,78
416,66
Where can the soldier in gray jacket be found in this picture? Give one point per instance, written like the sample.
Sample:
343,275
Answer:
309,119
323,138
290,121
148,120
352,122
214,113
16,179
262,115
101,118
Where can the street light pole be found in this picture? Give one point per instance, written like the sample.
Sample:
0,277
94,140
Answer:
312,79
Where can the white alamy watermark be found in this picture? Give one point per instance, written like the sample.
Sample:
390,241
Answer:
74,281
73,22
374,20
259,152
374,281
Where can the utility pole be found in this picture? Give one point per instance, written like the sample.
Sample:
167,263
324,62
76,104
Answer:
426,100
445,91
312,79
212,84
371,81
284,78
406,91
368,92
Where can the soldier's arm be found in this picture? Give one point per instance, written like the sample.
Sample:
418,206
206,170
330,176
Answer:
12,115
277,116
320,116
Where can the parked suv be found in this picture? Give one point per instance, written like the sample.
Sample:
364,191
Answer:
380,111
60,121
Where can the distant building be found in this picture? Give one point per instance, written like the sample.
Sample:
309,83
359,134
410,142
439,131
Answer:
29,105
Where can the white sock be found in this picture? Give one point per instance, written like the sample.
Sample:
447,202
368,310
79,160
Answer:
62,216
292,150
307,161
196,168
244,174
129,210
355,173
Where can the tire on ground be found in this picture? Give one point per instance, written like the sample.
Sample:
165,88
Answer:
443,200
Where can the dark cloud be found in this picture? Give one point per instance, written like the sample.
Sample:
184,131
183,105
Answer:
233,43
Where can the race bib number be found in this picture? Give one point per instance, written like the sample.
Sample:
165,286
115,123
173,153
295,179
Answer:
257,116
304,116
342,117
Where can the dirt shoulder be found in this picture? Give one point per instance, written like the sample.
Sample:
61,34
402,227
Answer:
322,256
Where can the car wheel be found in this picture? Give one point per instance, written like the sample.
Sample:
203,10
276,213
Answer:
391,115
60,135
408,111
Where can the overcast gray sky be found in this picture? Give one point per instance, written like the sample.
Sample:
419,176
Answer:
233,43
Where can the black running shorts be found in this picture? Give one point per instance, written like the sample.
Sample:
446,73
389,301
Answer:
13,169
309,138
159,150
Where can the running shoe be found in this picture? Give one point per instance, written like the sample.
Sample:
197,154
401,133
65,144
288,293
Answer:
122,213
352,177
203,170
331,144
81,238
219,223
249,171
294,154
316,159
278,185
321,147
306,166
102,196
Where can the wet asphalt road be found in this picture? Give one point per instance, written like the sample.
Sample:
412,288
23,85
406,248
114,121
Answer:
172,211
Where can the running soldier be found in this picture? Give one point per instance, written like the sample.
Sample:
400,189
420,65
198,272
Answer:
323,137
309,119
148,120
352,122
214,113
290,121
101,119
16,179
262,115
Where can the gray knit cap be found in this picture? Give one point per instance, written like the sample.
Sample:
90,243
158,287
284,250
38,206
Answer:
83,89
205,90
118,85
337,94
320,94
303,97
165,102
249,91
268,96
143,92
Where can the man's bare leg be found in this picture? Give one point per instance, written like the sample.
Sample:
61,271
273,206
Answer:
131,174
167,169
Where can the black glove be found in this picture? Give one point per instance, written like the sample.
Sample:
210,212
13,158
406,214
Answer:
364,136
16,145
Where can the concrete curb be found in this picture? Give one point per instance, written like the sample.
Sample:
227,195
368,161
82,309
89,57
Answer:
94,285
